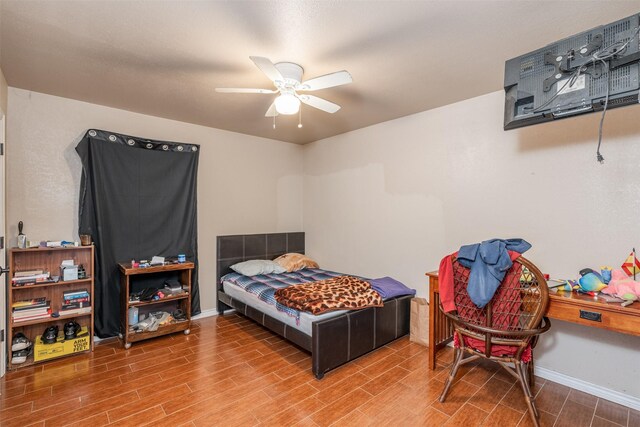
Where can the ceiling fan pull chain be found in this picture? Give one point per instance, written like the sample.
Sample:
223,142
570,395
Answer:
274,122
300,118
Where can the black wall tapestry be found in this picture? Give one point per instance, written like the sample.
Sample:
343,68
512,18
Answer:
137,199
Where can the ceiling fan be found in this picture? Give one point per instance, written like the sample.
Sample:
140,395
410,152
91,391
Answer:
287,77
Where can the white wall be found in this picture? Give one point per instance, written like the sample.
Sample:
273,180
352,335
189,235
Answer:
245,184
393,198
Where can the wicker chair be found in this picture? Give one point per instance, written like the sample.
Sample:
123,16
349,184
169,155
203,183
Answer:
506,329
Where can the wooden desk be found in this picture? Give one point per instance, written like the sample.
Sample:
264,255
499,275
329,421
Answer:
567,306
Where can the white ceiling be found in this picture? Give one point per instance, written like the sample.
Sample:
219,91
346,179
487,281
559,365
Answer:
164,58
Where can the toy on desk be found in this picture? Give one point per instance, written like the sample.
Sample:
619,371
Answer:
566,285
623,287
591,281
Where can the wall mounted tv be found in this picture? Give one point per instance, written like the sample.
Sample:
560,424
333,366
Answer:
576,75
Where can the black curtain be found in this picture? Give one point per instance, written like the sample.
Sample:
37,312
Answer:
137,199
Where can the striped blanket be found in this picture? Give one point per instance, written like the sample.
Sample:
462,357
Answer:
266,285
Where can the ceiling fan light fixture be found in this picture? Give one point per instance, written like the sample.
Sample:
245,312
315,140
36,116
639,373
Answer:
287,78
287,104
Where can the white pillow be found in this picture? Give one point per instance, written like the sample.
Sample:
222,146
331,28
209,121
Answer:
256,267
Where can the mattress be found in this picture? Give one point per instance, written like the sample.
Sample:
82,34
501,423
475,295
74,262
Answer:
306,319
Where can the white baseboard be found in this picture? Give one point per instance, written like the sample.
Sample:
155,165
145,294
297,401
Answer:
205,313
596,390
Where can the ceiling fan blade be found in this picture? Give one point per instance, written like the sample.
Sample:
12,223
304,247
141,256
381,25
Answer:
319,103
271,112
267,67
243,90
328,80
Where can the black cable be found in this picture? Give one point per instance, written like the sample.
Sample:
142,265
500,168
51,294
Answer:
602,55
599,156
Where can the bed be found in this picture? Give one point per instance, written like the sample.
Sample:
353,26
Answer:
332,339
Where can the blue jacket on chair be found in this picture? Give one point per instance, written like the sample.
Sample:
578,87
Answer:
489,261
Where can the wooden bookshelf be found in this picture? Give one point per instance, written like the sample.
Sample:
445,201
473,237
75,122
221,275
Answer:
48,259
155,275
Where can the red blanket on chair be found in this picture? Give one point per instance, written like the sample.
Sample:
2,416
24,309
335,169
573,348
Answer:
496,350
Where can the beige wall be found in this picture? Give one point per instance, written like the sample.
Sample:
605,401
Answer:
390,199
245,184
3,93
393,198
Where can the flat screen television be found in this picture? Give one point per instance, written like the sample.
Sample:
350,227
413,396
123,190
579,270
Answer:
575,75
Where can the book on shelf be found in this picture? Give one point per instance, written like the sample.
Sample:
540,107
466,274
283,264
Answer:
30,281
73,300
75,297
31,311
67,306
31,307
41,277
75,294
79,310
27,273
44,315
31,315
77,300
29,302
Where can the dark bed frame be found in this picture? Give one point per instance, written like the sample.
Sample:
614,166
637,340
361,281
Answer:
333,341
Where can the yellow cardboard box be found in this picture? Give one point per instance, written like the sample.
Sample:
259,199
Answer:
44,351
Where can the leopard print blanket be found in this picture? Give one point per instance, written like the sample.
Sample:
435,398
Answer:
336,293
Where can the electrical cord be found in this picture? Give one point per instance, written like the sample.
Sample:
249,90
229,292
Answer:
602,55
599,156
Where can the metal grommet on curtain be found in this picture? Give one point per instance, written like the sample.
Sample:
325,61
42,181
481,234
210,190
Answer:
131,142
194,148
112,138
165,147
180,148
92,133
149,145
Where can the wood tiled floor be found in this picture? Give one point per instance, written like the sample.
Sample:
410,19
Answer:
230,372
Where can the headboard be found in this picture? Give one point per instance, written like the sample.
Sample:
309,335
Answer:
244,247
